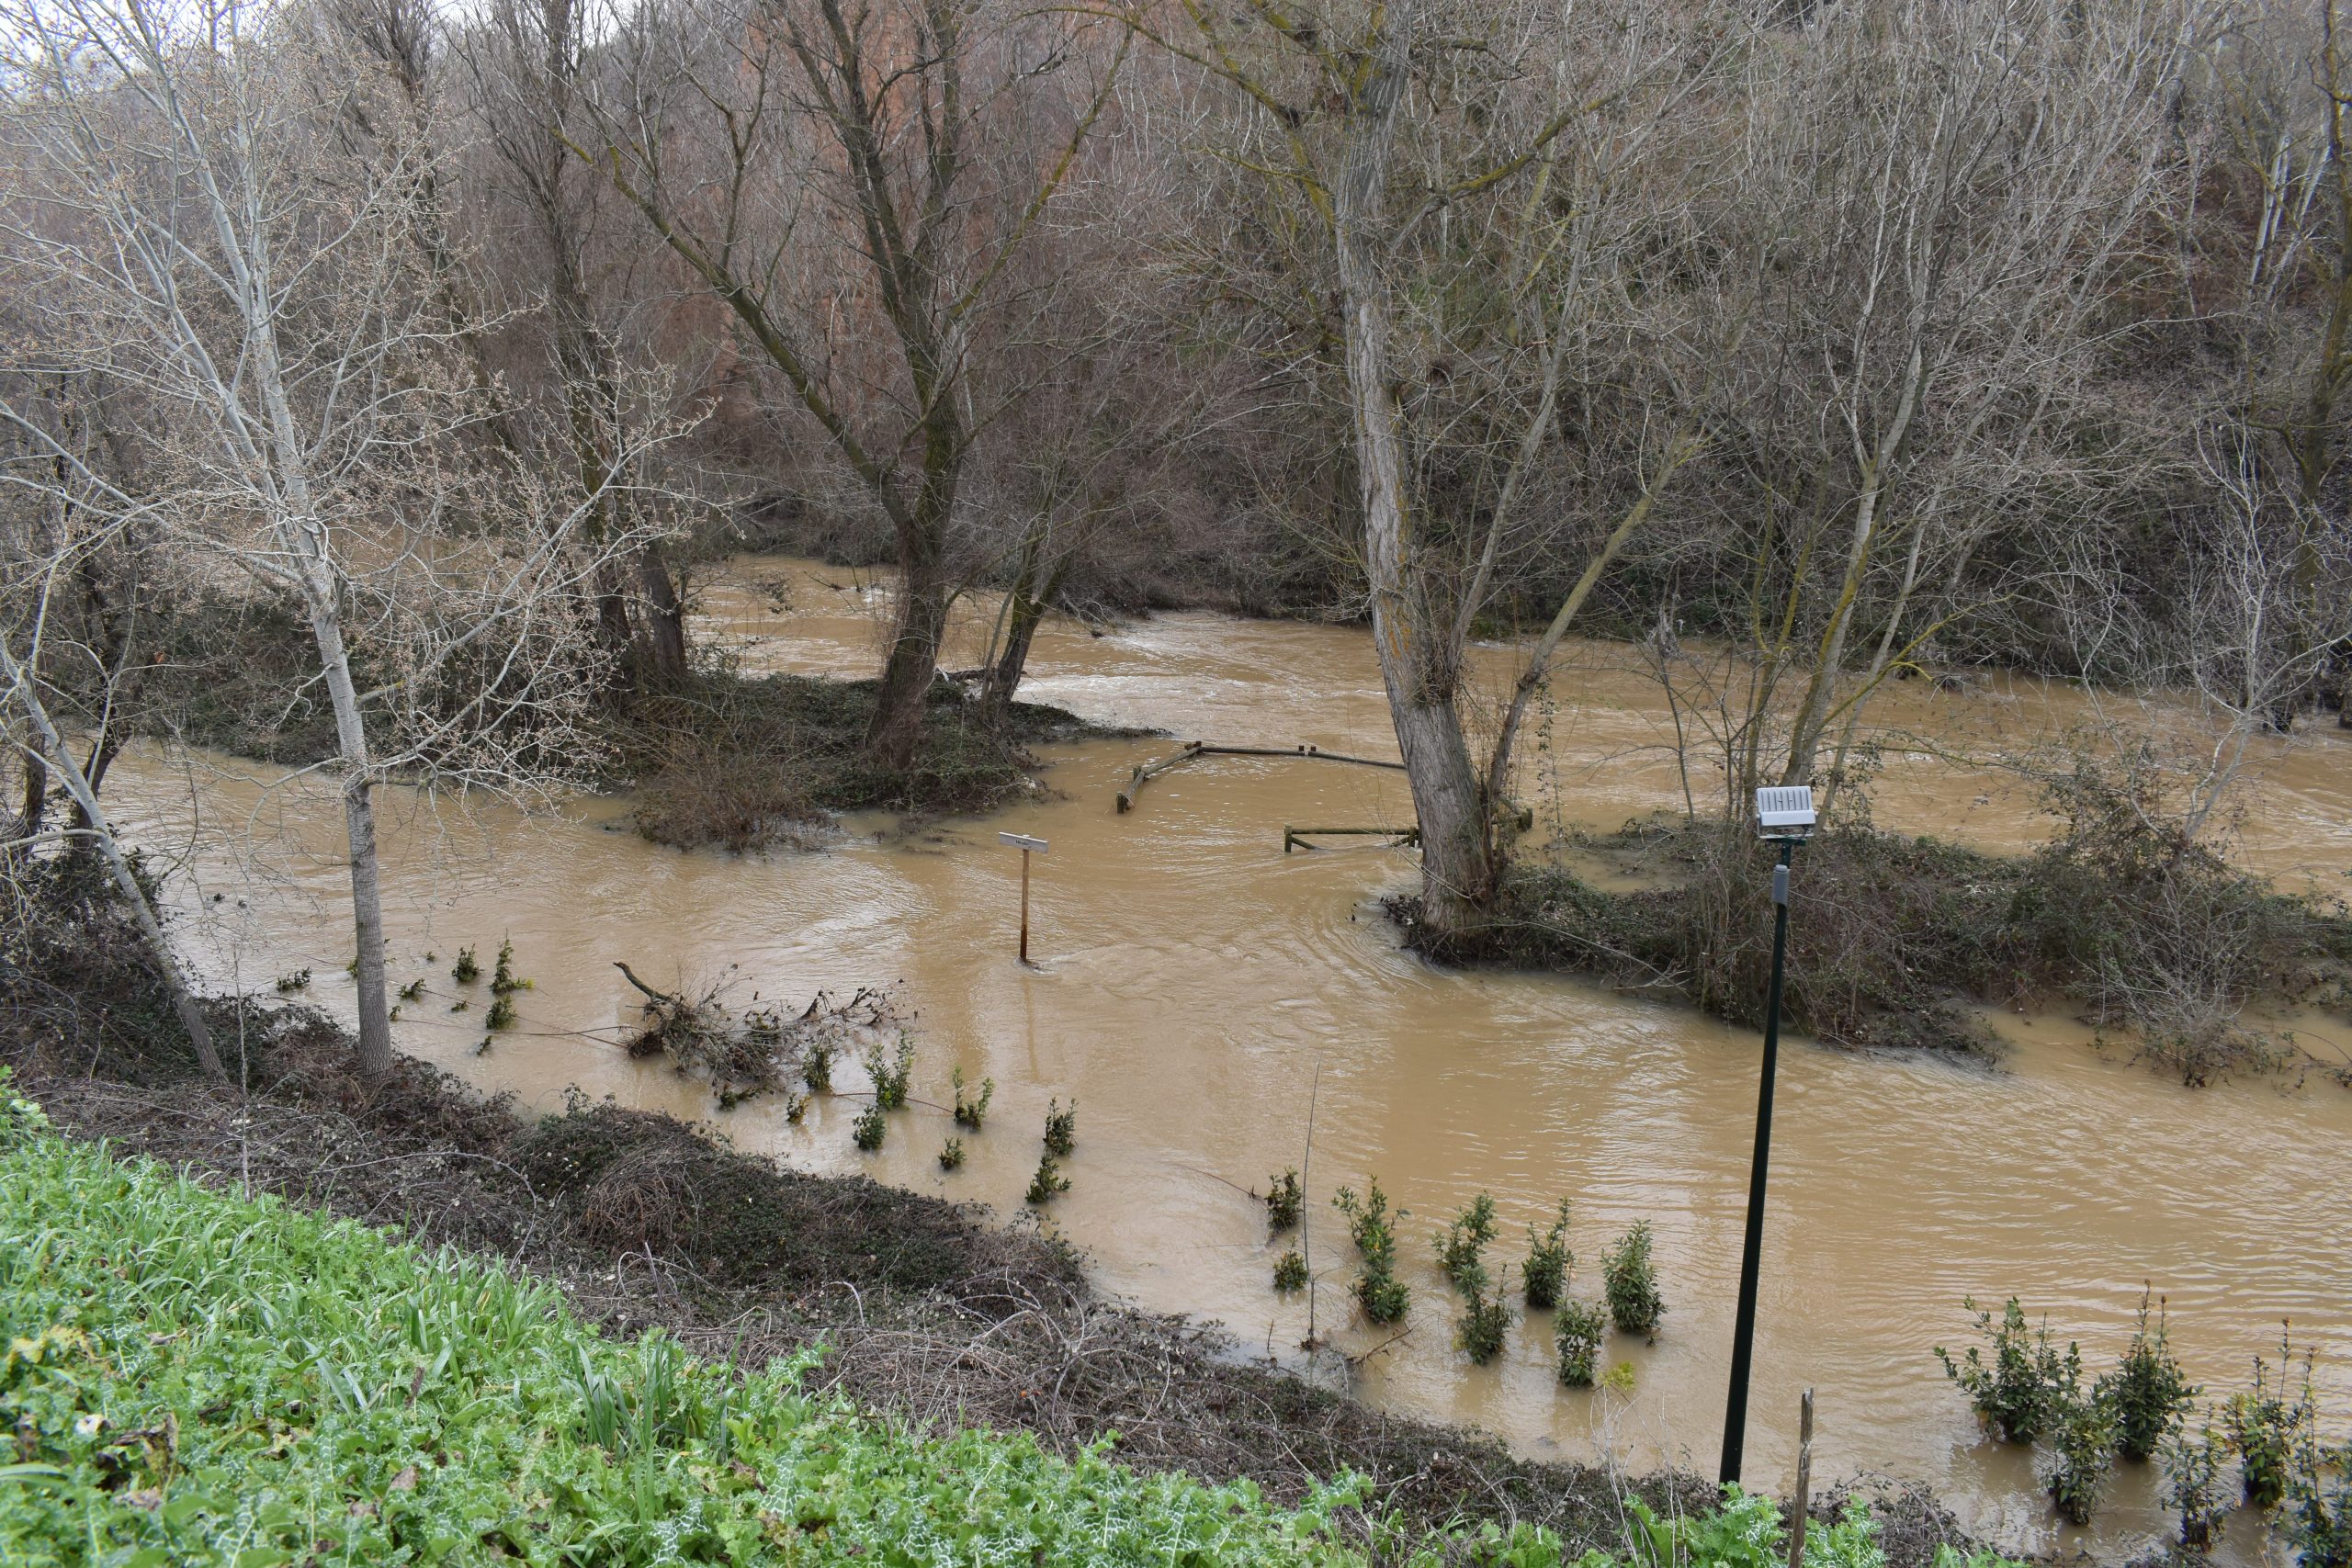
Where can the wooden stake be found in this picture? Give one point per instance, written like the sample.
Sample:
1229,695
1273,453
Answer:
1805,1483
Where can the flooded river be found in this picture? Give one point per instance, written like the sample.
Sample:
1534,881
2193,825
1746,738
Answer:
1192,979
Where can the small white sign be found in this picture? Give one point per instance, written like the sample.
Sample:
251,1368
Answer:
1022,841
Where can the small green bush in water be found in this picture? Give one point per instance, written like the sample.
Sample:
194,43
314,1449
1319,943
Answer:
1285,1198
2193,1487
1061,1128
972,1112
2147,1391
501,1014
1630,1281
2263,1428
1461,1245
2319,1500
2083,1442
1485,1322
890,1078
504,980
1546,1276
465,971
2016,1392
298,980
1048,1181
870,1128
1290,1272
1384,1297
1576,1333
817,1067
951,1153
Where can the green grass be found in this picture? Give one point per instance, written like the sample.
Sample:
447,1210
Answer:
194,1378
191,1377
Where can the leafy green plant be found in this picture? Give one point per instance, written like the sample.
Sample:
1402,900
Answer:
2147,1391
460,1005
293,981
817,1067
501,1014
1061,1128
870,1128
1545,1275
1485,1322
1630,1281
1461,1246
2014,1393
1384,1297
1577,1332
2318,1519
412,990
891,1076
1290,1272
475,1419
2083,1441
466,971
2263,1426
971,1112
503,980
951,1153
2193,1488
1048,1181
1284,1200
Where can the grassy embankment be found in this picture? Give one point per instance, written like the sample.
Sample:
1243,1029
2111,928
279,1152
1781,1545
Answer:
196,1377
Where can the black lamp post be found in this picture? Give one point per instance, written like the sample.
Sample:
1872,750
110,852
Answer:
1783,817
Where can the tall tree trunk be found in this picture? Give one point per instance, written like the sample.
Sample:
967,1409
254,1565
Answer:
359,827
665,627
60,756
1417,666
895,729
1024,610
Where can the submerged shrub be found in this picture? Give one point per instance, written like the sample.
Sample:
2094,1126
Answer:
501,1014
971,1112
2193,1488
2319,1500
1486,1320
1283,1201
412,990
1545,1275
2083,1441
2148,1392
1630,1282
504,978
465,971
296,980
951,1153
1048,1181
1061,1128
890,1076
1384,1297
1290,1272
870,1128
2015,1394
1461,1245
1576,1333
2264,1429
817,1067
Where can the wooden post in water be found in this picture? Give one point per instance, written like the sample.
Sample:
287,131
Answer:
1024,844
1804,1484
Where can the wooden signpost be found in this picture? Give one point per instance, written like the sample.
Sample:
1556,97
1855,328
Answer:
1025,844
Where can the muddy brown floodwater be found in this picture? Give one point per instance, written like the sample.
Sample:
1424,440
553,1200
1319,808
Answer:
1193,979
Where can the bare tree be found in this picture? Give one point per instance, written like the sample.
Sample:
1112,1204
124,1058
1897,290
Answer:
817,166
187,227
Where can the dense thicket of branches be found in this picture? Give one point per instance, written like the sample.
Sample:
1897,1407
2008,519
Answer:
1852,335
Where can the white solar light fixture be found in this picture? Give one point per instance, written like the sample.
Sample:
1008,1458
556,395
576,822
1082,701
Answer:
1784,811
